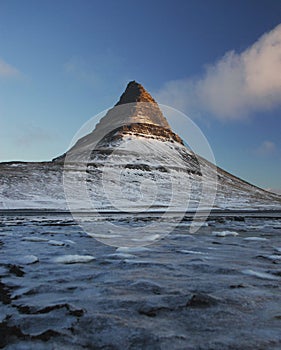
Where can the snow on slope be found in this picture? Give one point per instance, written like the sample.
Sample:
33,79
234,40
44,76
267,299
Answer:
159,163
31,185
134,173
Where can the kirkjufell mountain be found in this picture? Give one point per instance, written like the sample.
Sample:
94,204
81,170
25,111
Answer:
132,160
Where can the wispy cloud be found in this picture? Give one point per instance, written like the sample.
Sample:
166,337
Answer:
7,70
236,85
266,148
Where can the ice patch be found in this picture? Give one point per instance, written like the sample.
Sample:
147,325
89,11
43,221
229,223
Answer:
104,236
274,257
56,243
73,259
225,233
256,227
147,238
263,275
34,239
184,251
255,239
141,262
132,249
120,256
5,233
28,260
69,241
199,224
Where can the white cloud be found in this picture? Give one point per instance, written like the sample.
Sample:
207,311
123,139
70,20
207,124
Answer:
8,71
236,85
266,148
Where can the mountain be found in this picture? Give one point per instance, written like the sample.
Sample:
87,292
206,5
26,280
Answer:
131,161
135,113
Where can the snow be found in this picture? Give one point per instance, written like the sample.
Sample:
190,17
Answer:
69,241
149,238
185,251
140,173
34,239
120,256
274,257
55,243
28,260
259,274
261,239
74,259
225,233
132,249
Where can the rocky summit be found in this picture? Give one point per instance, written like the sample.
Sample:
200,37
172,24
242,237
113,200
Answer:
136,113
136,105
135,92
144,107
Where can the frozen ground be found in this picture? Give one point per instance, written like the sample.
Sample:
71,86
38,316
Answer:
217,289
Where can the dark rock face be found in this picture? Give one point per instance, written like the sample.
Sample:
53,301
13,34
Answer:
144,130
135,92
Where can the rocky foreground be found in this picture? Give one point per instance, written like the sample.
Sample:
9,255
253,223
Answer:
217,289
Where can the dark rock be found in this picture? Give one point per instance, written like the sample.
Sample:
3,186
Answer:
45,336
5,294
202,300
15,270
143,167
25,309
240,285
152,311
7,333
239,218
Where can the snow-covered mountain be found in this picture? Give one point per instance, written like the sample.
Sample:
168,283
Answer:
132,161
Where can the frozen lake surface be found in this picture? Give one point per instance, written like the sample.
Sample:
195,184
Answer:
217,289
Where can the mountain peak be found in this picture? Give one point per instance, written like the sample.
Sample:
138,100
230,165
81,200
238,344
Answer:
136,113
135,92
135,105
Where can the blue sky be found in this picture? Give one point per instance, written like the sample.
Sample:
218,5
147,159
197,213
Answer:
61,62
